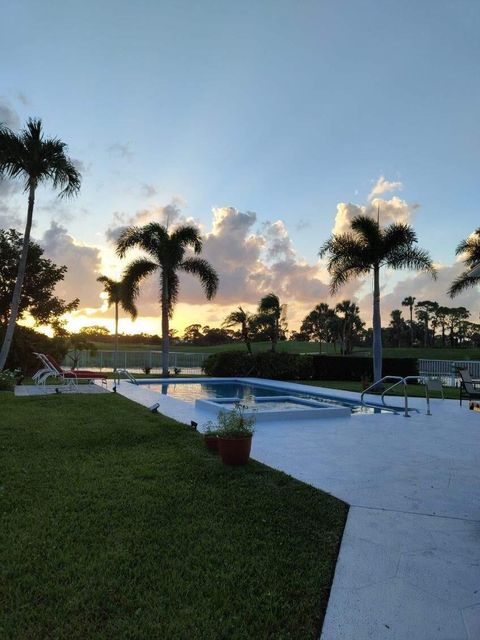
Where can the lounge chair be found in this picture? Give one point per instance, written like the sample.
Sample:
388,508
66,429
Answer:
53,369
468,387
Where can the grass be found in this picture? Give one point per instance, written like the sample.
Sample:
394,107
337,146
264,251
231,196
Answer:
117,523
413,390
437,353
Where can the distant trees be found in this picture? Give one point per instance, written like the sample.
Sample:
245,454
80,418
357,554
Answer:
271,319
340,325
120,293
409,302
243,319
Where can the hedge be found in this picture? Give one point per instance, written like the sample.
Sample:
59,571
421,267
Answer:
276,366
354,368
293,366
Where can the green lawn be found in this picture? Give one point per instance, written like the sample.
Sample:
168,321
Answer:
117,523
437,353
413,390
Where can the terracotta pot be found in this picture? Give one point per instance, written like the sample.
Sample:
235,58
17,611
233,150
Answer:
235,451
211,442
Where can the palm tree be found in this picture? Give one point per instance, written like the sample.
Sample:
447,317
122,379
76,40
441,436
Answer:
425,309
272,315
365,249
350,313
470,248
244,319
119,293
35,160
409,302
166,253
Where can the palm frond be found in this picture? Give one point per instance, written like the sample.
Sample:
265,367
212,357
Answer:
462,282
410,258
135,272
187,236
205,272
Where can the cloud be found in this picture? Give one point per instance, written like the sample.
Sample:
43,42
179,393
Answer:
384,186
423,287
10,212
82,261
8,116
393,210
148,190
169,214
121,150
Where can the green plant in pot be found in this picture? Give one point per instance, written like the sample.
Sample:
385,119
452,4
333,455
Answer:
234,434
210,436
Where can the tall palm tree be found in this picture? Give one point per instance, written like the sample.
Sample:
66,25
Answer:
166,254
409,302
470,249
34,160
366,249
244,319
119,293
272,315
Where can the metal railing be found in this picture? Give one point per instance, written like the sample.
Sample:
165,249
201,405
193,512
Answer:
139,360
446,370
429,384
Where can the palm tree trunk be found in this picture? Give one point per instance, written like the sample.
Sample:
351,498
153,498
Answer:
165,326
247,340
115,356
377,326
17,292
411,325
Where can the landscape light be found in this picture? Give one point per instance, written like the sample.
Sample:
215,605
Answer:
154,407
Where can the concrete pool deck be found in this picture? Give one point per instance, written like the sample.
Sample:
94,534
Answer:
409,563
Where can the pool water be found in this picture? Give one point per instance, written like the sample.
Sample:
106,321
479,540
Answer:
246,392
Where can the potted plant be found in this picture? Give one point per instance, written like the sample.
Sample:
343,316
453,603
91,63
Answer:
210,437
234,433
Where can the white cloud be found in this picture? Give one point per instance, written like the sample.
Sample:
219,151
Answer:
393,210
169,214
382,185
82,261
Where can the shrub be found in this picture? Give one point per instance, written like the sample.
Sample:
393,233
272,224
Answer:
26,342
276,366
8,379
354,368
229,363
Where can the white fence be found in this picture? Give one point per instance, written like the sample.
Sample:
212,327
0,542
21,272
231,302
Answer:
138,361
447,369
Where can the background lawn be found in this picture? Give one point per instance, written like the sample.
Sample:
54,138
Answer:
116,523
434,353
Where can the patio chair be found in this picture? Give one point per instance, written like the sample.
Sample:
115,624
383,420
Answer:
70,377
468,387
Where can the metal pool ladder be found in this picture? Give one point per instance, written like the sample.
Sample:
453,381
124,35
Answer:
127,374
398,380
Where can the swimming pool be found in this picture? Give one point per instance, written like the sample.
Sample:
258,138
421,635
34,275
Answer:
250,393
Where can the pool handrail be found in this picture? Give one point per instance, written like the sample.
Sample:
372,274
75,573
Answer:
127,373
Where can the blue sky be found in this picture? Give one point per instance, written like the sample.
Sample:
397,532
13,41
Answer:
281,108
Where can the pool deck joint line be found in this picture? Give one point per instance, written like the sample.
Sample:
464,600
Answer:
409,562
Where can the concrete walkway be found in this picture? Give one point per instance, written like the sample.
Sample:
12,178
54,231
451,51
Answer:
409,563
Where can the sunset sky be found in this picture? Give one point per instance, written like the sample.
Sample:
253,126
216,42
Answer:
269,124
